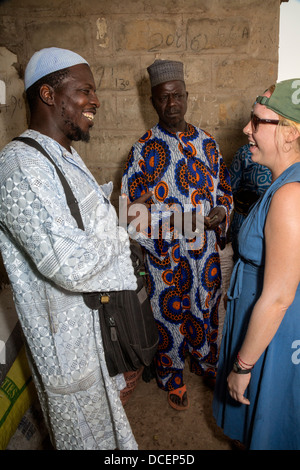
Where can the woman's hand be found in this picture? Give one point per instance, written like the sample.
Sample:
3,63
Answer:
237,384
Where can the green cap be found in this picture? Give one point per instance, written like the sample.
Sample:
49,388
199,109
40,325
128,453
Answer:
285,99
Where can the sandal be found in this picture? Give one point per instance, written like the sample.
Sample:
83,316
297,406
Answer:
181,400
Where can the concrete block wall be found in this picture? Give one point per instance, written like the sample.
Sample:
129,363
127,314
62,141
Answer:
229,49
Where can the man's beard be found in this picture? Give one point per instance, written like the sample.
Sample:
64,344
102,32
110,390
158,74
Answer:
73,131
77,134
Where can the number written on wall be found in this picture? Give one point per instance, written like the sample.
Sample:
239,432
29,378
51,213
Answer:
122,84
160,41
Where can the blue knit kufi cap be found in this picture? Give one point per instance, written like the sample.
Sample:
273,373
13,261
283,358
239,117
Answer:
49,60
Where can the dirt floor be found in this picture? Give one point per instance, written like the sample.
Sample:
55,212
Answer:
157,426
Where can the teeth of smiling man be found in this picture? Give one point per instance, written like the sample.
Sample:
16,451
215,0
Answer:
89,116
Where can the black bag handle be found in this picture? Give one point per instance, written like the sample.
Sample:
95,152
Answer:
71,199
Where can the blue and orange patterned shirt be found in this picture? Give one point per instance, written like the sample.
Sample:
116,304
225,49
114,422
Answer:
185,169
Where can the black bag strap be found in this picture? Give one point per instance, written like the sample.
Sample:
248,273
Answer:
91,299
71,199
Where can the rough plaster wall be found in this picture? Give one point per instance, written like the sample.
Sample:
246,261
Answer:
229,48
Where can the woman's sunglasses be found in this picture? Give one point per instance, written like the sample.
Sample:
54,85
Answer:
255,121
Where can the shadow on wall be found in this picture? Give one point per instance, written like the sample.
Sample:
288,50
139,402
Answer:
147,111
149,119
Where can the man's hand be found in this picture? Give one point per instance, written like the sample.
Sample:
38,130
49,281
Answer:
216,216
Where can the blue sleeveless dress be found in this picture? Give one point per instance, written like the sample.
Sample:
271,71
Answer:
272,420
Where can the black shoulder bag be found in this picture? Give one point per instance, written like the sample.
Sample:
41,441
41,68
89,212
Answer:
128,329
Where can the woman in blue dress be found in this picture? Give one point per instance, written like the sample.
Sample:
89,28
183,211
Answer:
257,398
